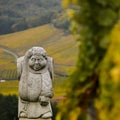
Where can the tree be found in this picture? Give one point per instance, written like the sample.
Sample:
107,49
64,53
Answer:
5,24
93,21
61,21
36,13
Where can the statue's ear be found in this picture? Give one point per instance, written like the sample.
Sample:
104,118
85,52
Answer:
19,66
50,67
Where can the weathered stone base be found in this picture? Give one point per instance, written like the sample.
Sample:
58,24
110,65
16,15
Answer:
34,119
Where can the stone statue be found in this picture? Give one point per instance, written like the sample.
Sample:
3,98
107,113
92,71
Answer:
35,72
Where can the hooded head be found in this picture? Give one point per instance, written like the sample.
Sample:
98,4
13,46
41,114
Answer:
37,58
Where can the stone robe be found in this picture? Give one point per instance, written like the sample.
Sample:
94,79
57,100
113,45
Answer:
32,85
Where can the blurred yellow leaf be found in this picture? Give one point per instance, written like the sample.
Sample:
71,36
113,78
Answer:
74,114
71,13
75,1
65,3
58,117
116,33
115,74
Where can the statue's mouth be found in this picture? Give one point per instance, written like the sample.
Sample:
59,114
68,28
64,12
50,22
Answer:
37,67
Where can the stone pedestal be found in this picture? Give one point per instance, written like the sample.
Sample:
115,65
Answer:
34,119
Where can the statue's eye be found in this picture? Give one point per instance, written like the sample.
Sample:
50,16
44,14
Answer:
33,59
40,59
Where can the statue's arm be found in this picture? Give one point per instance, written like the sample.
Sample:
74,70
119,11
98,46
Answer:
50,93
19,67
50,67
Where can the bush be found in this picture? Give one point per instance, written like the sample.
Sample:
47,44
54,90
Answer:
8,107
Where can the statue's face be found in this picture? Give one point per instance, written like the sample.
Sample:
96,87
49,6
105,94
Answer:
37,62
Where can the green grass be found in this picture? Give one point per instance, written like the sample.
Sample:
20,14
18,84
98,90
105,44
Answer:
9,87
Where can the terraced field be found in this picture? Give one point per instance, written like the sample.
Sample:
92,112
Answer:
21,41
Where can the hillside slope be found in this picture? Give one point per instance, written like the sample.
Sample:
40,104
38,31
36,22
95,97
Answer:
62,48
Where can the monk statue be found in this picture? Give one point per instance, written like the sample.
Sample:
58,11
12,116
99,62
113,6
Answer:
35,72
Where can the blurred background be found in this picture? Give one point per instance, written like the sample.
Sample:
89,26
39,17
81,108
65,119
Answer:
82,36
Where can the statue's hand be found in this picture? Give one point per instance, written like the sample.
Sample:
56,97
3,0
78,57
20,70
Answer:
44,101
28,54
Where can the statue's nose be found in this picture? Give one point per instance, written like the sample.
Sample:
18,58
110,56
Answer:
36,62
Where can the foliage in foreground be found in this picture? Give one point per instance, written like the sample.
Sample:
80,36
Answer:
96,78
8,107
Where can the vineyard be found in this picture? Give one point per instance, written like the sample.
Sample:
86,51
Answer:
61,47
